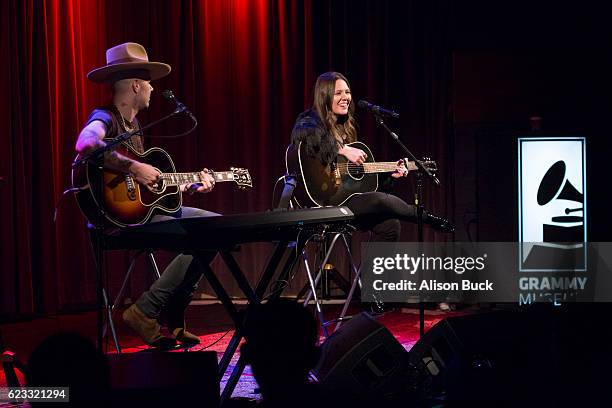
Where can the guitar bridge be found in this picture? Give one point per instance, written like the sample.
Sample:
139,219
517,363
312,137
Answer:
130,187
337,176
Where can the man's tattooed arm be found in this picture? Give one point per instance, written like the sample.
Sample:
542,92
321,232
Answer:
90,139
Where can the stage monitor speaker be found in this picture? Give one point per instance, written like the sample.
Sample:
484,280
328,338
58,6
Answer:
480,360
164,379
362,357
539,357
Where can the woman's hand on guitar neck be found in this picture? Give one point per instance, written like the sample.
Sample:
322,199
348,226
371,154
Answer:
401,170
144,174
353,154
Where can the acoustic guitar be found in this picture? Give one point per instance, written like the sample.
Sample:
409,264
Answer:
321,185
121,201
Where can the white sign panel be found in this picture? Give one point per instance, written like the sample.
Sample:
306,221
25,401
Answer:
552,203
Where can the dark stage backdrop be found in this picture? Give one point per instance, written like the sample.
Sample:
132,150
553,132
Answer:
244,67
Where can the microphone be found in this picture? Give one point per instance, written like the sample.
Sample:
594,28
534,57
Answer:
377,110
180,107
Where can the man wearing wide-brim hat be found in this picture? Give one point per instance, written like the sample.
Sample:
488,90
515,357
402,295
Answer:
130,72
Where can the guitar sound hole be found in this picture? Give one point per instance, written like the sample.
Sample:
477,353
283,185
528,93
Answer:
355,170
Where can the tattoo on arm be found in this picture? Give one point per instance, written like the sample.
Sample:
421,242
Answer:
88,141
117,161
91,139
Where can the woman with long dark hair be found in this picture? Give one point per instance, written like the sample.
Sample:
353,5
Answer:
325,131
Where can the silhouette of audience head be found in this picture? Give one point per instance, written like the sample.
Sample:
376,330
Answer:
281,346
70,360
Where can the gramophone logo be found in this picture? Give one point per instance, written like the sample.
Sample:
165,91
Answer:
552,204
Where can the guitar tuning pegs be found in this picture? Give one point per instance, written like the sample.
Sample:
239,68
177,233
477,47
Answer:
430,164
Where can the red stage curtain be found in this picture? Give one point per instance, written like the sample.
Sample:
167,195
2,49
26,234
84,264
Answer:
244,67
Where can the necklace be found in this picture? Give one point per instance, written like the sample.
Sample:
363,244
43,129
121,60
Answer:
133,141
125,122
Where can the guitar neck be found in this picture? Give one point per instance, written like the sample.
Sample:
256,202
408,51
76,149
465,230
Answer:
178,179
374,167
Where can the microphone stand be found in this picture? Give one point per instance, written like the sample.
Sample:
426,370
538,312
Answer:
418,202
97,157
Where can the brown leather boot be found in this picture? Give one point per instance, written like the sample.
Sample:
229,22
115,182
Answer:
175,312
146,327
184,337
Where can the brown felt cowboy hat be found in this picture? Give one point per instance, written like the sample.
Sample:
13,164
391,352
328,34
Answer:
128,60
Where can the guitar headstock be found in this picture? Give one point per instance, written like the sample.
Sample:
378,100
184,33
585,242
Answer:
242,177
429,164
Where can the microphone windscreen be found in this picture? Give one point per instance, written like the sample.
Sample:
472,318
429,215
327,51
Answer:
363,104
168,94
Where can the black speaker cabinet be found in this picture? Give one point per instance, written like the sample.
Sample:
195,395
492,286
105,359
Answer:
362,357
543,356
164,379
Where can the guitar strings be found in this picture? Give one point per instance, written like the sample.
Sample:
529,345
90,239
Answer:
372,167
353,168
